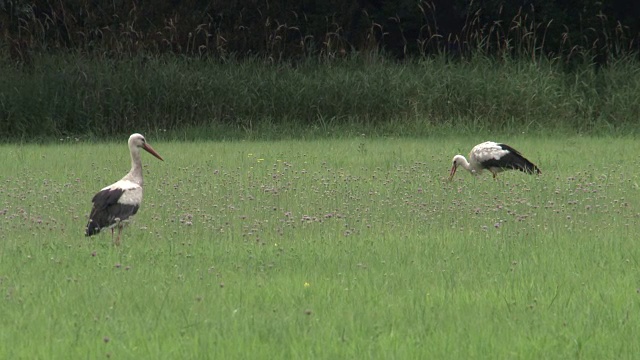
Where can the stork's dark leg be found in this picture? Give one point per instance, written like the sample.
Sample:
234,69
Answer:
117,242
111,234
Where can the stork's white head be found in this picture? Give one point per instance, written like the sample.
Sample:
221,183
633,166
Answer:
138,141
457,161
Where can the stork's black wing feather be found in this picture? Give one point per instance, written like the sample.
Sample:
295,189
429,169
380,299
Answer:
514,160
106,210
105,198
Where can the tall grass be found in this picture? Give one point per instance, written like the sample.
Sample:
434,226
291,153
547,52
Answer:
325,249
596,31
66,95
274,72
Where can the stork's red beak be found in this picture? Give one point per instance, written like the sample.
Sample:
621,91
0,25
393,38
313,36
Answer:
453,172
150,150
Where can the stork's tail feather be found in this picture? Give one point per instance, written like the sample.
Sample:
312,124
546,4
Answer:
530,167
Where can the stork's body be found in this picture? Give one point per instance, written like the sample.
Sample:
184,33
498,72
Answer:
115,204
494,157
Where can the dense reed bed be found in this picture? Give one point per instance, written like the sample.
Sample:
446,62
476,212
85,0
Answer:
67,95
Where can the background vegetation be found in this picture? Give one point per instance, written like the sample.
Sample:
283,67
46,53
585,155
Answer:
272,70
288,29
70,95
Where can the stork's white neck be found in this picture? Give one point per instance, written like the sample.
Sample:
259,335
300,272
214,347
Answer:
462,161
135,174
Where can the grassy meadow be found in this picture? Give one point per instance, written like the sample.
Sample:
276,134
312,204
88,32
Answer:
332,249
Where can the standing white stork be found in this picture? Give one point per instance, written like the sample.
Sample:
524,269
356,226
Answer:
116,203
494,157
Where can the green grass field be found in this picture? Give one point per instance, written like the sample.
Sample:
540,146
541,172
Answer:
332,249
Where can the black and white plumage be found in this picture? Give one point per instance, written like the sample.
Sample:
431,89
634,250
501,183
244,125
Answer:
494,157
116,203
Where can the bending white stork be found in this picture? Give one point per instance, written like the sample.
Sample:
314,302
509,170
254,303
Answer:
116,203
495,158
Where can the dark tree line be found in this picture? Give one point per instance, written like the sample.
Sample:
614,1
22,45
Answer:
290,29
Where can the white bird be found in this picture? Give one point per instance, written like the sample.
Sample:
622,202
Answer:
494,157
116,203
